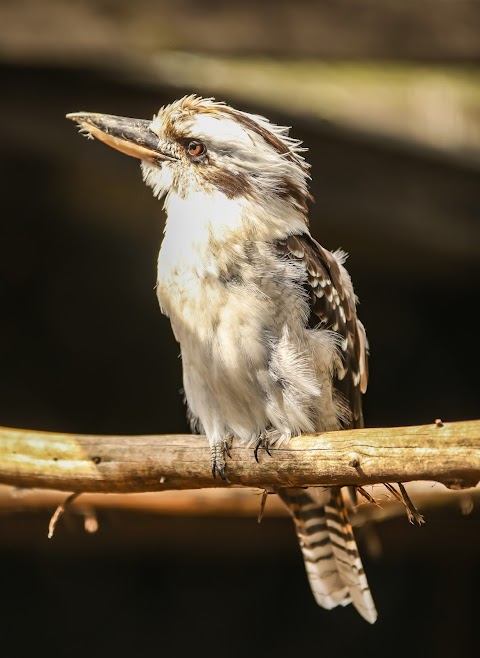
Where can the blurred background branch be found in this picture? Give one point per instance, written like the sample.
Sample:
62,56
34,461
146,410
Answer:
429,497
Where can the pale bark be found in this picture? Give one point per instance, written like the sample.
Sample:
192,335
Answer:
442,452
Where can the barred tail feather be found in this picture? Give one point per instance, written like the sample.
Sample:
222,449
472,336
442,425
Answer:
329,549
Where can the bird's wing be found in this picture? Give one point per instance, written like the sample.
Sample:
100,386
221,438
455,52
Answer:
333,305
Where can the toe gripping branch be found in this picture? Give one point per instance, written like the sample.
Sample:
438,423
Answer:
222,449
262,442
218,452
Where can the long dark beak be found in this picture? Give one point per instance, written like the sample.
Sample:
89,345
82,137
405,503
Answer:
130,136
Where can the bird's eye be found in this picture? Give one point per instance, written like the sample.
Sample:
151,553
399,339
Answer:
196,148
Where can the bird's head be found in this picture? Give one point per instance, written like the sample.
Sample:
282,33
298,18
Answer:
197,145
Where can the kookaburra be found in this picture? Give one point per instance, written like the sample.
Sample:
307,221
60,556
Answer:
265,316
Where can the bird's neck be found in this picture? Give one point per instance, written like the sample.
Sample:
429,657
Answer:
202,219
208,235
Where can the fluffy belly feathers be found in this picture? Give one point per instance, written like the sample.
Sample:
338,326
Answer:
249,364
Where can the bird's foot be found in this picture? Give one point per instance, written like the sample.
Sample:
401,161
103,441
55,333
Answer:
218,452
262,442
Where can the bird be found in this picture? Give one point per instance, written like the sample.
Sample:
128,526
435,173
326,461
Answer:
265,316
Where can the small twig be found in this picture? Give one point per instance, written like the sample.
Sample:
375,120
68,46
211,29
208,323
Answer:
412,512
369,497
393,491
263,502
59,511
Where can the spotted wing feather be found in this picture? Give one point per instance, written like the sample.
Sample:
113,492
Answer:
333,306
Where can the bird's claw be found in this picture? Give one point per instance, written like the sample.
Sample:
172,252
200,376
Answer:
262,442
218,452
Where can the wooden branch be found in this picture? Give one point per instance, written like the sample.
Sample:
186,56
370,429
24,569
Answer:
429,497
443,452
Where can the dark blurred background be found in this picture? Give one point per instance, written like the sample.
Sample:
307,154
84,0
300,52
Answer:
386,97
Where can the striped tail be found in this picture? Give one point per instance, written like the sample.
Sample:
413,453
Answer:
329,549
